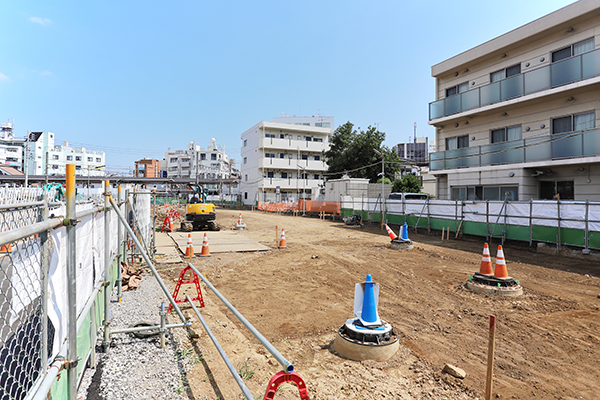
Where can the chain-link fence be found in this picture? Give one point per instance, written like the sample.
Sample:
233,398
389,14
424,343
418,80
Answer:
35,286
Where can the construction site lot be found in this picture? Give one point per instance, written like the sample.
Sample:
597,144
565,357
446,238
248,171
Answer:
547,340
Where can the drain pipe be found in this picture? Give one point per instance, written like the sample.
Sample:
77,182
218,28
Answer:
287,366
232,369
147,259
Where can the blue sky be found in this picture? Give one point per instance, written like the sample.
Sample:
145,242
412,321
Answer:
133,78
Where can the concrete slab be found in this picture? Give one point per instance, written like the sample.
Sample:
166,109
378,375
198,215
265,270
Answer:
218,241
166,249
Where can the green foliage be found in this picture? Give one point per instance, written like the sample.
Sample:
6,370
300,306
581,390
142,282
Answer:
246,370
407,184
386,181
351,149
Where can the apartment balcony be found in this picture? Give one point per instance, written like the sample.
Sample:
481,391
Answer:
289,183
544,148
570,70
290,144
292,163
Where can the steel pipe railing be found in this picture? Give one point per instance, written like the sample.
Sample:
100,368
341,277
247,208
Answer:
287,366
230,366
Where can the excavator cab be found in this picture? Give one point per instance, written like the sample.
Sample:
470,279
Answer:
199,214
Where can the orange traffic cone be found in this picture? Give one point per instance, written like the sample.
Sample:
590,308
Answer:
486,261
500,270
390,232
282,244
7,248
205,252
189,250
240,220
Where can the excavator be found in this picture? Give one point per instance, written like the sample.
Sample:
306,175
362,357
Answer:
198,213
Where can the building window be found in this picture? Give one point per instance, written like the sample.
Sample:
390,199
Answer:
90,158
574,123
281,155
317,158
318,140
506,134
213,157
316,176
269,155
77,158
245,160
202,156
55,167
246,178
245,142
98,159
281,136
78,167
573,50
69,158
284,175
557,190
457,142
245,195
270,135
451,91
308,138
505,73
55,156
305,156
270,174
173,160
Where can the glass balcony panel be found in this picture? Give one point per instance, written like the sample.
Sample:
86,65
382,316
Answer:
454,163
439,155
567,147
591,143
490,93
566,71
452,105
537,80
489,157
511,87
436,109
471,161
591,64
436,165
539,149
470,99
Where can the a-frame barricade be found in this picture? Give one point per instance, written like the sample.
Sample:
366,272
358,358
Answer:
183,281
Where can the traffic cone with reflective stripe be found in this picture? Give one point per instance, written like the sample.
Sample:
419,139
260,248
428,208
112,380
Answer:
404,233
189,250
500,269
369,315
486,262
390,232
282,244
240,219
205,251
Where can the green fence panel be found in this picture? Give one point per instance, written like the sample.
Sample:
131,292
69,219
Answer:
474,228
517,232
544,233
574,237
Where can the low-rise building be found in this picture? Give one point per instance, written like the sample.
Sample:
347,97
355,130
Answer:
147,168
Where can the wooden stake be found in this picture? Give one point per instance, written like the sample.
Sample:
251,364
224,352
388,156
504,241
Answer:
443,231
490,364
276,242
458,230
448,233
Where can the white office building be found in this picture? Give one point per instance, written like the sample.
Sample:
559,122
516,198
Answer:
11,149
282,161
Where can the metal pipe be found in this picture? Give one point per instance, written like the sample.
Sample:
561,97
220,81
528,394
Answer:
49,379
21,205
232,369
163,323
148,261
107,265
147,328
287,366
44,266
70,222
119,255
587,227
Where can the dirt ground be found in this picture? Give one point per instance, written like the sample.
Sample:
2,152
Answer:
547,341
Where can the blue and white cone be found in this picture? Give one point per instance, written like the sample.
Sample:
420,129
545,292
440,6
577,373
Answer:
366,337
404,233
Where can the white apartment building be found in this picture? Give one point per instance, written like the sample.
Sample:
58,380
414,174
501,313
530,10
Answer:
43,156
209,163
319,121
11,149
517,117
282,162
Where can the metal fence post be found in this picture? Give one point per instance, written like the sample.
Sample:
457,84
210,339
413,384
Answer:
587,227
530,222
44,265
119,249
558,238
153,205
107,263
70,223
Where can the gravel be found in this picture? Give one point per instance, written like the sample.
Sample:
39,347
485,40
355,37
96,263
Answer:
135,368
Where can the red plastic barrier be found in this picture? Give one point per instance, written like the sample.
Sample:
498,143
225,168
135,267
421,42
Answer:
282,377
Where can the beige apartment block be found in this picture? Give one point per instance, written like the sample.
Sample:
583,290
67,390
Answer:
517,117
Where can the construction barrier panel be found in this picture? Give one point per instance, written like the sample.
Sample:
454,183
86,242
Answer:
332,207
575,223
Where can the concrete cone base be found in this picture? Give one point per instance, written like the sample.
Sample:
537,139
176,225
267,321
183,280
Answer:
396,245
509,291
240,227
357,351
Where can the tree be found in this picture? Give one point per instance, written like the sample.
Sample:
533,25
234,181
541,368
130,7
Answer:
353,152
407,184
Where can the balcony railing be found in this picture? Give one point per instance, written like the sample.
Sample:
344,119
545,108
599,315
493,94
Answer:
570,70
557,146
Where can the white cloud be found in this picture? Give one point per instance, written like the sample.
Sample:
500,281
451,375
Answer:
46,73
3,77
41,21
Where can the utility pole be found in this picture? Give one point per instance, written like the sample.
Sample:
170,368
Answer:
26,159
382,187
